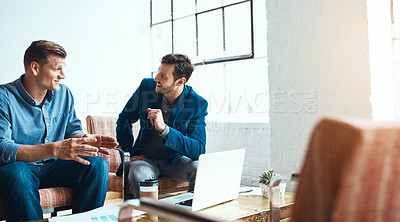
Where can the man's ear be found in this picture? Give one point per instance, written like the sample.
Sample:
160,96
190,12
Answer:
181,81
34,67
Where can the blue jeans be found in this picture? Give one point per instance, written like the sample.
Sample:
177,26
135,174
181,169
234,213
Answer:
20,183
184,169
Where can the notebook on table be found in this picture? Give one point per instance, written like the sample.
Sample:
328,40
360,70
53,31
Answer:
217,180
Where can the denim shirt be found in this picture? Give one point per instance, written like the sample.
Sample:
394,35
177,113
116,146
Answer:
24,122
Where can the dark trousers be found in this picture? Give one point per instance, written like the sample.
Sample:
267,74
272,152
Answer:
184,169
20,183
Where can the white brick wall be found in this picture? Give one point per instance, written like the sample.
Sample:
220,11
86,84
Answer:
253,137
317,46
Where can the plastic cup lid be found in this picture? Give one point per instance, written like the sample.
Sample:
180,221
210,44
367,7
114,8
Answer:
149,183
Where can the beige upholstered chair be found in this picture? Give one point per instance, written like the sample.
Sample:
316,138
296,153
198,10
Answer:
52,200
350,173
106,125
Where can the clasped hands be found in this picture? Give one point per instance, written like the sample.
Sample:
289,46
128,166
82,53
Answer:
88,145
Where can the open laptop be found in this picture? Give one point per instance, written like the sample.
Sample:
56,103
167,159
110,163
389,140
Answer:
217,180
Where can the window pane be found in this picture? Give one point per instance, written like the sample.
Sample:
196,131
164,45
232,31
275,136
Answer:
161,42
210,35
161,10
185,37
183,8
238,29
203,5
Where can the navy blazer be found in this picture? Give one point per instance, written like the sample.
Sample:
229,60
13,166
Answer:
187,134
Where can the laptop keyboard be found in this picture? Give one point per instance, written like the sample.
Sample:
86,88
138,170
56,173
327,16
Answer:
186,203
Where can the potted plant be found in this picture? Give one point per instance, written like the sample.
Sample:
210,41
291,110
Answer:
265,179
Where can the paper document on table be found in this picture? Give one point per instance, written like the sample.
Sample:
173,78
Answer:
255,191
101,214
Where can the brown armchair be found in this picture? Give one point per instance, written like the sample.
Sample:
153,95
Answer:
52,200
350,173
106,125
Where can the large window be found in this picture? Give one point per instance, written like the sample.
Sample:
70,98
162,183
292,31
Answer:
208,31
227,41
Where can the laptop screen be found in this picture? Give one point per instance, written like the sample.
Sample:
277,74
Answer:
218,178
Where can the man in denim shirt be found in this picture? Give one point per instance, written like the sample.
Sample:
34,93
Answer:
41,140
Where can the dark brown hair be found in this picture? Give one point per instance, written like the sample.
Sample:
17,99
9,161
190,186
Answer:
39,51
183,65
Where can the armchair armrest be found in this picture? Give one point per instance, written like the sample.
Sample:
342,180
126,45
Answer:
123,171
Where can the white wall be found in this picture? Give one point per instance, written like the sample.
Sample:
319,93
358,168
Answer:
102,39
317,46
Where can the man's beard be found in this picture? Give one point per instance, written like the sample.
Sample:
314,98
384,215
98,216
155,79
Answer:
168,89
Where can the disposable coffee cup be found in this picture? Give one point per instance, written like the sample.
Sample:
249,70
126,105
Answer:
149,189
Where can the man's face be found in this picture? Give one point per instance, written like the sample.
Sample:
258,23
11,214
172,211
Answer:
165,79
50,74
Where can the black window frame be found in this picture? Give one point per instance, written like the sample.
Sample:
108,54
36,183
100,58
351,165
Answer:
222,8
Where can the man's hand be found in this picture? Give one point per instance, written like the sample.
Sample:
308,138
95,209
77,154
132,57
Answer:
156,119
134,158
102,141
69,149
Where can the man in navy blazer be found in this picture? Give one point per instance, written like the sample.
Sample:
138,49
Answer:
172,125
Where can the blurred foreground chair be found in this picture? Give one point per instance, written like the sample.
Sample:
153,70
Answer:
106,125
350,173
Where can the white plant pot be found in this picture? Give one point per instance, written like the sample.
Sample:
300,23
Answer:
265,190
